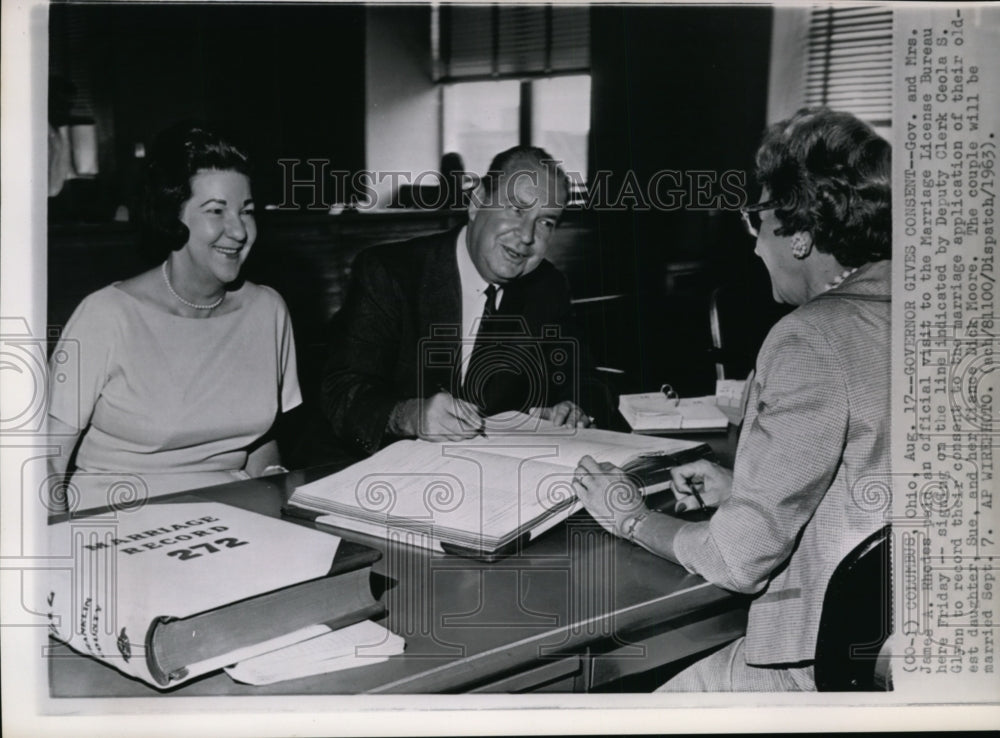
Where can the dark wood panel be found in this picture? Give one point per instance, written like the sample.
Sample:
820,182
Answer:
684,89
301,256
287,83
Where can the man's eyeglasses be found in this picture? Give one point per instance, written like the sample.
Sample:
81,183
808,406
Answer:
751,215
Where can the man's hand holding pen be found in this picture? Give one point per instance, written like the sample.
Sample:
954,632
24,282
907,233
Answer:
440,417
565,414
445,417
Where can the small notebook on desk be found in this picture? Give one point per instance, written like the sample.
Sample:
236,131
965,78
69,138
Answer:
653,411
482,498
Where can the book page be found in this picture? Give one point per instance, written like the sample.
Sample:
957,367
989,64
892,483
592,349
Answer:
572,444
485,490
361,644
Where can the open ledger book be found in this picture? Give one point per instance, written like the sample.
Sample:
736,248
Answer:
482,497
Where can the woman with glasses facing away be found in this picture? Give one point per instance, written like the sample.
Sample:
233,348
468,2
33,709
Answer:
181,371
808,483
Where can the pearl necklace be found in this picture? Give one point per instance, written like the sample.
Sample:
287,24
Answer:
196,306
840,278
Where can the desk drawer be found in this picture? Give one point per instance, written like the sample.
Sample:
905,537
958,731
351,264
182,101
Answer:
666,644
558,676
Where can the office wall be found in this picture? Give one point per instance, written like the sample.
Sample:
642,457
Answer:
289,84
402,119
673,88
684,89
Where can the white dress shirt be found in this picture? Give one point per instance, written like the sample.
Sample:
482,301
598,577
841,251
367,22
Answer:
473,296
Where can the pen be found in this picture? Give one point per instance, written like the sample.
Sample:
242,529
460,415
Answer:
481,430
701,502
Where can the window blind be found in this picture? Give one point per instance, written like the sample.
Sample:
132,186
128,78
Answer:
70,59
503,41
849,62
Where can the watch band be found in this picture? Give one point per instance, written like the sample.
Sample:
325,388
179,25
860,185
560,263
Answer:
628,528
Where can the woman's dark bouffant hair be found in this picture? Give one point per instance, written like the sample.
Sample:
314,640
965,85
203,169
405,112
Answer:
177,154
832,175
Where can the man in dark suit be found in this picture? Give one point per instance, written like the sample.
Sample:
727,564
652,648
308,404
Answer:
441,331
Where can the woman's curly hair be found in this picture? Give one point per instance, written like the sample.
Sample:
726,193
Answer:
177,154
831,174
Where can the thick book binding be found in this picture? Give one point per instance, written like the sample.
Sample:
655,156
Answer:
509,546
175,590
652,472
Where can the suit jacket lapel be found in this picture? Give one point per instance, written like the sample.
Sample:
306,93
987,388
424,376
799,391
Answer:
440,315
442,294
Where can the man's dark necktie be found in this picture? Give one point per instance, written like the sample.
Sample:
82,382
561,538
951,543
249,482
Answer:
477,383
490,308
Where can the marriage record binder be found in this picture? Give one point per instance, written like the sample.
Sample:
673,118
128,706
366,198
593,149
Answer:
484,497
171,591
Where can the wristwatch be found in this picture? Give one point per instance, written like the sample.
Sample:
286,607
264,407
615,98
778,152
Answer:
629,526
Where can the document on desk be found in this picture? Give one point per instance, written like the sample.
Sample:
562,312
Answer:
654,411
475,497
361,644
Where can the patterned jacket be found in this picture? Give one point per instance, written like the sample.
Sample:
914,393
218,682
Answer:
810,479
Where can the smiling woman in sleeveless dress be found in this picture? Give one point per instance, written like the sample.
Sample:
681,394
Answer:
184,369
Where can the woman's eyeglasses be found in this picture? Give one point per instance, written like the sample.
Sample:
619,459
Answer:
751,215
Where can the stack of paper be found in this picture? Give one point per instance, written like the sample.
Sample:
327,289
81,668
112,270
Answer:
730,397
322,651
654,411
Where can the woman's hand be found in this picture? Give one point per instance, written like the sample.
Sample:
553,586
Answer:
64,438
701,478
609,496
263,458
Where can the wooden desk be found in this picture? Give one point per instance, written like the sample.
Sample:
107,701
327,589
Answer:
574,610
